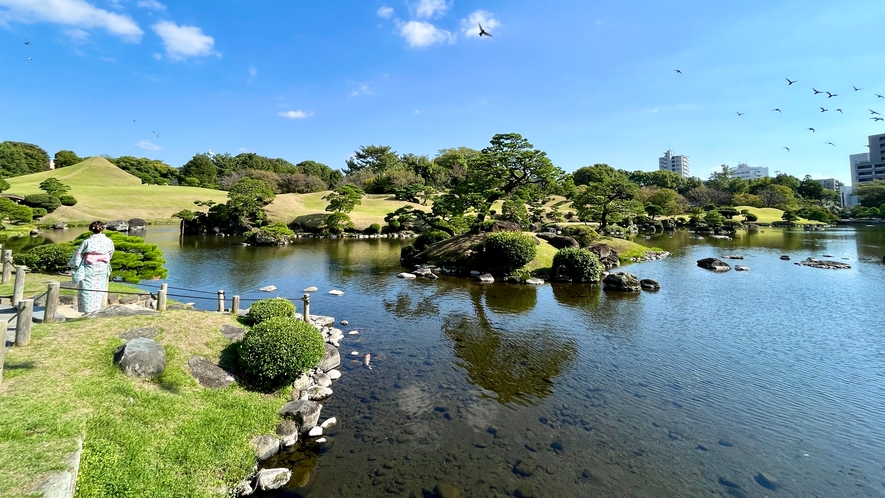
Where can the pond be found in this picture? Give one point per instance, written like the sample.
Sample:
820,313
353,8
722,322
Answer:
762,383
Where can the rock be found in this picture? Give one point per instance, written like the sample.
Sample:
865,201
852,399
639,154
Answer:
136,224
268,288
524,491
354,353
273,478
444,490
733,256
331,359
317,393
336,292
301,383
504,226
534,281
649,284
607,256
353,332
785,257
713,264
288,432
141,357
525,468
741,268
310,289
766,480
60,225
209,374
315,431
320,440
621,282
344,323
244,488
146,332
323,380
232,333
407,275
329,422
265,446
305,413
558,241
334,374
320,321
485,278
824,264
117,226
119,310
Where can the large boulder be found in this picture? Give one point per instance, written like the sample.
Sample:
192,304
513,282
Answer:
137,224
141,357
117,226
558,241
303,412
607,256
331,359
713,264
504,226
269,479
621,282
265,446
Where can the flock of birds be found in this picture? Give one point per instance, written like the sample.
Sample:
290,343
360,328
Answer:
875,116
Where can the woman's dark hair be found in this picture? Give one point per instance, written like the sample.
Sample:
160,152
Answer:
96,227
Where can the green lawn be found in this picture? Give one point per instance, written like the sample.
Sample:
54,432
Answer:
166,437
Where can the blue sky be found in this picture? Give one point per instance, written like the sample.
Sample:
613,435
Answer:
587,82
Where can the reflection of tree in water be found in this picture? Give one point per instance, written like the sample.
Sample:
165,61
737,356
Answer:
516,366
404,307
511,299
583,296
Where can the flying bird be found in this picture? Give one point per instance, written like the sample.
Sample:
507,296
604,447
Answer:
27,43
740,113
678,71
873,112
816,91
877,95
831,143
157,134
482,31
30,59
789,82
840,111
776,109
877,119
823,110
788,149
812,130
831,95
856,89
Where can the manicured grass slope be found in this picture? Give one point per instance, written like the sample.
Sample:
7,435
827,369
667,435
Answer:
105,192
309,209
167,437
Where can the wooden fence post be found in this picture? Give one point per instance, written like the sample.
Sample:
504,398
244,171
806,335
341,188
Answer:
2,350
235,305
51,303
221,300
306,300
18,288
23,322
7,266
161,297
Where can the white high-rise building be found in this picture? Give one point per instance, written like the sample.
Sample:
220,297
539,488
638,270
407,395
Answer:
674,163
749,172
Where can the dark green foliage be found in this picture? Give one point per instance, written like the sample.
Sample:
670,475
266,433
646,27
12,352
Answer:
202,169
247,198
48,202
750,217
48,258
338,222
53,186
150,171
15,212
373,229
871,194
37,213
266,309
274,352
728,212
276,233
300,183
514,210
329,176
4,185
507,251
68,200
429,237
713,218
19,158
65,158
344,198
133,259
577,265
583,234
815,213
790,216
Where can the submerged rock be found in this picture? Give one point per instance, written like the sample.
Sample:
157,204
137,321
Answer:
713,264
824,263
649,284
621,282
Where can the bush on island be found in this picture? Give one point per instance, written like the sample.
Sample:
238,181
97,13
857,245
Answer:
68,200
429,237
505,252
266,309
577,265
275,233
372,229
584,235
750,217
48,202
48,258
276,351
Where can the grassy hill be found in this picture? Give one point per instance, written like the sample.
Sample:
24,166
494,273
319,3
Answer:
309,209
105,192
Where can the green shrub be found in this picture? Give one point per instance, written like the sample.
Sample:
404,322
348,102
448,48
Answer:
507,251
577,265
38,212
373,229
133,259
276,351
429,237
584,235
276,233
68,200
48,258
266,309
48,202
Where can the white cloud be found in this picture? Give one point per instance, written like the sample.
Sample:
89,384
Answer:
109,59
77,13
417,111
361,89
253,71
77,34
427,8
148,145
159,57
295,114
423,34
385,12
470,26
152,5
183,41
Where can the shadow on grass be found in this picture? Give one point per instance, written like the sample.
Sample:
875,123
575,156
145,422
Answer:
309,221
27,365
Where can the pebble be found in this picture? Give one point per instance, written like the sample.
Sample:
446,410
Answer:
310,289
334,374
353,332
354,353
335,292
344,323
316,431
329,422
321,440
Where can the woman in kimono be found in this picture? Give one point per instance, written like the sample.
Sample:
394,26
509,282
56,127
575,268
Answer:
92,268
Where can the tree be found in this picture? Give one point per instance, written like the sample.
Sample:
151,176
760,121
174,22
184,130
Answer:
871,194
714,218
329,176
450,166
790,216
246,199
608,196
20,158
150,171
53,186
338,222
202,168
514,210
775,195
728,212
654,210
344,198
65,158
810,189
4,185
374,158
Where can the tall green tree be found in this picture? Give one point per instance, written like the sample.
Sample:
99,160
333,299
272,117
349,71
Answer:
344,198
65,158
608,196
329,176
202,168
20,158
246,199
871,194
54,186
450,165
373,158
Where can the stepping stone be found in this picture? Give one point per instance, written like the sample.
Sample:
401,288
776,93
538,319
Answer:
209,374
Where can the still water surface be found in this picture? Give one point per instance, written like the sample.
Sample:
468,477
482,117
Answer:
565,390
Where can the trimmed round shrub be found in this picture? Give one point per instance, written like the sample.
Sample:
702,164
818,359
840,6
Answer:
507,251
276,351
48,202
584,235
577,265
48,258
68,200
266,309
750,217
372,229
429,237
